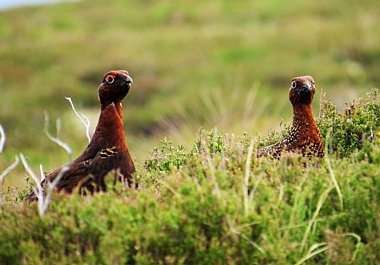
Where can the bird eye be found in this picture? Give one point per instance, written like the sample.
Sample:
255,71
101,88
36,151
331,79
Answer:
110,79
294,84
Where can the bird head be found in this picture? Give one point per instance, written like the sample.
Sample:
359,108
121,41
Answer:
302,90
114,87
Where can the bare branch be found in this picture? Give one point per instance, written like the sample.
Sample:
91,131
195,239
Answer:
43,200
9,169
42,173
50,186
2,138
121,176
56,140
39,191
85,121
246,179
31,173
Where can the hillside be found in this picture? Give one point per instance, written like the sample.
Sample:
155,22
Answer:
216,204
211,82
202,63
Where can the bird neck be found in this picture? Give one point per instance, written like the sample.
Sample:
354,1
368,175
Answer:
110,129
303,119
116,104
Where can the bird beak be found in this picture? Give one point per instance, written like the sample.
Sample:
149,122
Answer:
129,80
306,88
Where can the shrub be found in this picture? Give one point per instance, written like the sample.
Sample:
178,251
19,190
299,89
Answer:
209,205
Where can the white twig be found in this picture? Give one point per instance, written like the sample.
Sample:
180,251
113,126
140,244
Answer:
9,169
42,173
121,176
85,121
56,140
43,200
50,186
58,126
246,179
31,173
2,138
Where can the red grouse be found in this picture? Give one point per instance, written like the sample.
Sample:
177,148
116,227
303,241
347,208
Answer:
304,136
107,150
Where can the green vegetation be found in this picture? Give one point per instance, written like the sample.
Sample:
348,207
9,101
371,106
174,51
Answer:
196,64
214,203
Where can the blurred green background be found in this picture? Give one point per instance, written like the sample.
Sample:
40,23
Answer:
195,63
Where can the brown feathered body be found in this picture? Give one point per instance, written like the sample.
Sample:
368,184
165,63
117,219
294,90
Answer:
107,150
304,136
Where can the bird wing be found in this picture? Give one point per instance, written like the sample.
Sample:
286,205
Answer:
78,172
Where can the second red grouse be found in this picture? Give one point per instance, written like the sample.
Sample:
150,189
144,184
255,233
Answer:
304,136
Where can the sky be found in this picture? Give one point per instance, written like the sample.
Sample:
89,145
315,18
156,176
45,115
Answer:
5,4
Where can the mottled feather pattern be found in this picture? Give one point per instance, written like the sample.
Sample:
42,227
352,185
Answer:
304,136
108,152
